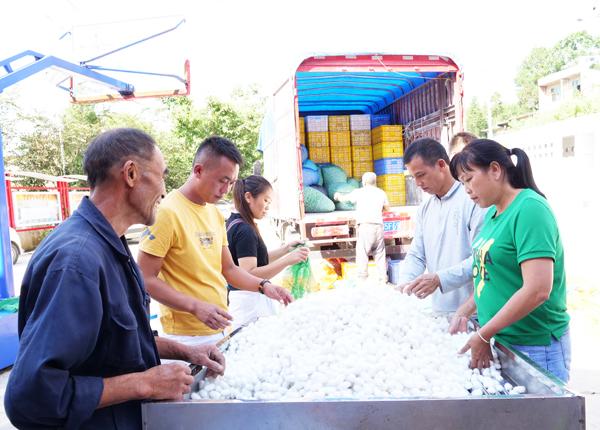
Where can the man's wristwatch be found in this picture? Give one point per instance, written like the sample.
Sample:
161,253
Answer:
261,286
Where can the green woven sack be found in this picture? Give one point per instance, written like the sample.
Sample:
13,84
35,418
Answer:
333,174
354,182
315,201
338,187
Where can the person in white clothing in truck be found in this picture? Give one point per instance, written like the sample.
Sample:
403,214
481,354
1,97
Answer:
445,227
370,202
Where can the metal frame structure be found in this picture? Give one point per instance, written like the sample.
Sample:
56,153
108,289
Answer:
15,72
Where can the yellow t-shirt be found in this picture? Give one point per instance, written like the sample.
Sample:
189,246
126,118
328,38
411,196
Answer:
190,239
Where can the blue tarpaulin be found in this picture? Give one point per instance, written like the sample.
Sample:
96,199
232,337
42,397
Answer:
354,92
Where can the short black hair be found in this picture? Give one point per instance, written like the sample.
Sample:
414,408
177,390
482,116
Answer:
430,150
111,147
217,146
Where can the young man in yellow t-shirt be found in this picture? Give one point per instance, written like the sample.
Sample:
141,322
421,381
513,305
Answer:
184,255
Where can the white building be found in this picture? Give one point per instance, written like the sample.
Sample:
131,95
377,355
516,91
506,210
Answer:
580,77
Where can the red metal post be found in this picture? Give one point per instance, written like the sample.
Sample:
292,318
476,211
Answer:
63,189
9,201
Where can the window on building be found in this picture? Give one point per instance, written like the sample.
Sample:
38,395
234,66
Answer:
576,85
568,146
555,92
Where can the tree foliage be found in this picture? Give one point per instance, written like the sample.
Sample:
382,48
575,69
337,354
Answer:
57,148
476,118
543,61
237,119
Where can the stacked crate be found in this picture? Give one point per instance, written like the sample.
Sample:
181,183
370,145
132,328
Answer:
362,155
318,138
381,119
394,186
339,142
389,164
302,128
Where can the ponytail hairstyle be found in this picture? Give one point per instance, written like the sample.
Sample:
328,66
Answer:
255,185
481,153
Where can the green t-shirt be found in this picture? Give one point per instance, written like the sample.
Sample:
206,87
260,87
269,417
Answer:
526,230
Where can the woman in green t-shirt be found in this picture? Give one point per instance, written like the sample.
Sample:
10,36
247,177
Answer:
518,262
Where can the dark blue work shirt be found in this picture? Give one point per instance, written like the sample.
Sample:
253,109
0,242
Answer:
82,317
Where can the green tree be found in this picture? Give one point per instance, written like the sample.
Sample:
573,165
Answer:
237,119
543,61
476,118
57,148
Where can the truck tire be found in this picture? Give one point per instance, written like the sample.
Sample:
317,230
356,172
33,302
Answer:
15,252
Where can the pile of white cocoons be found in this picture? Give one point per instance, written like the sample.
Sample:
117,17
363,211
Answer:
350,343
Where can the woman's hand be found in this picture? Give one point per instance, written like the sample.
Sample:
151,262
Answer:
481,352
293,244
296,256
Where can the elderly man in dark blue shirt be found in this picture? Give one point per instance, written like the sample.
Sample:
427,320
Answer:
88,356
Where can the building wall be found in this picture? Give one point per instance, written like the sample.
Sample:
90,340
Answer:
565,157
569,82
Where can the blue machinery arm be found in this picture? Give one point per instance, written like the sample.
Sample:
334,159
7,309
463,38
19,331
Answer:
12,75
41,62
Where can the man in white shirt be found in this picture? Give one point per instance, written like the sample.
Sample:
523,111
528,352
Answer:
370,202
445,228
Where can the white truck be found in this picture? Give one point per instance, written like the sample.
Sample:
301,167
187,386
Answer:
423,93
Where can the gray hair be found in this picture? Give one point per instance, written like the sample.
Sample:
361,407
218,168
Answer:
369,178
111,148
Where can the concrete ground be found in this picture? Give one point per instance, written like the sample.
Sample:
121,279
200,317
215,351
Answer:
585,334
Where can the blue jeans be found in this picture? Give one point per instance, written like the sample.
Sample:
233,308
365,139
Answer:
555,358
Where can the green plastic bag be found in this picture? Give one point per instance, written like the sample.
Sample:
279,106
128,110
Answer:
10,305
300,279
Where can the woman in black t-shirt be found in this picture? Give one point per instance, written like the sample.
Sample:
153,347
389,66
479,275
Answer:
251,197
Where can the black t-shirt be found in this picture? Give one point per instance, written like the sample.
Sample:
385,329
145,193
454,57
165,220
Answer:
245,242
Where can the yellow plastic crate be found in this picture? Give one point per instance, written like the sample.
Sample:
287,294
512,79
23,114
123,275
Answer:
362,153
396,198
361,137
391,133
360,167
349,270
346,165
392,182
388,150
302,138
341,154
339,123
319,154
339,138
318,139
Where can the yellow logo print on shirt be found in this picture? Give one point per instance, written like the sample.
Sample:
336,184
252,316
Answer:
482,257
206,239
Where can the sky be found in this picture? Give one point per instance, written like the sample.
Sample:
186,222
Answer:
233,43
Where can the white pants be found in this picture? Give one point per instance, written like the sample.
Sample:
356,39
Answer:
247,306
370,240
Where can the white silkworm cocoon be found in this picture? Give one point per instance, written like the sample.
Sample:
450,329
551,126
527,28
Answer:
519,389
361,342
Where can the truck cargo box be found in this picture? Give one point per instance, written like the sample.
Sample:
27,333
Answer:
327,99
